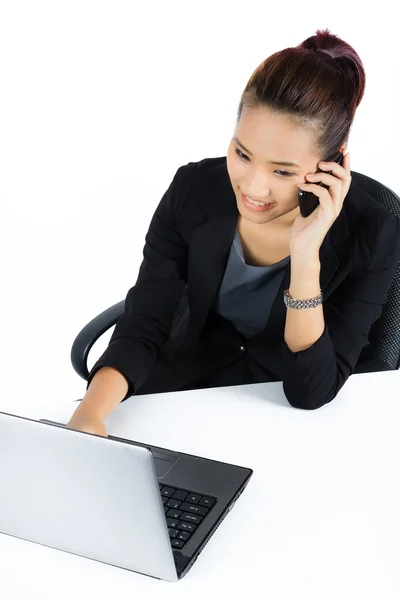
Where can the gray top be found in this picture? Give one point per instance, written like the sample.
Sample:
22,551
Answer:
247,292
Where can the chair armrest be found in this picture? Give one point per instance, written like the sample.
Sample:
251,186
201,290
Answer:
90,334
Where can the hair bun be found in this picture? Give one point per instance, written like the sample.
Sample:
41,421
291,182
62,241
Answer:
301,81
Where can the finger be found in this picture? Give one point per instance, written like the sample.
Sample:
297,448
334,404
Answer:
340,171
314,188
318,190
326,178
326,201
346,162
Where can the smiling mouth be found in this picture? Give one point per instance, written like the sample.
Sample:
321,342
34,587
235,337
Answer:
259,206
257,202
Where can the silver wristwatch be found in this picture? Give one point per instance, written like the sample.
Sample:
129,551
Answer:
301,304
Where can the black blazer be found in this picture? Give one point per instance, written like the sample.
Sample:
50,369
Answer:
185,254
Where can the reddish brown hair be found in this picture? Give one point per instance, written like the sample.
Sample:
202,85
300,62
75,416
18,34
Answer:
321,90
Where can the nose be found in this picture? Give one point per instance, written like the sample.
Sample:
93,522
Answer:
258,191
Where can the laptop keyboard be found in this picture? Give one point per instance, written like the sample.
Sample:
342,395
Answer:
184,512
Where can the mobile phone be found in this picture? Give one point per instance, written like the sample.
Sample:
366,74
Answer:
308,201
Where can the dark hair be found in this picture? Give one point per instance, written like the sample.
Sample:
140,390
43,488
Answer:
320,89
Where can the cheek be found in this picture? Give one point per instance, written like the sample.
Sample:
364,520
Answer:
230,167
236,176
235,169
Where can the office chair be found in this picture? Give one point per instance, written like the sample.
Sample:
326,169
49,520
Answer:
381,354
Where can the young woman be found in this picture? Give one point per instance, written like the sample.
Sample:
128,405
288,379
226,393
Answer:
236,286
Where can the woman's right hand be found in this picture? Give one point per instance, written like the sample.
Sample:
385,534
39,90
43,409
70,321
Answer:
87,424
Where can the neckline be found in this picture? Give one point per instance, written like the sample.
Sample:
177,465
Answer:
237,245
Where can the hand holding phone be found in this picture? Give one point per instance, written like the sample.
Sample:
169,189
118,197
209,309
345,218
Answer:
308,201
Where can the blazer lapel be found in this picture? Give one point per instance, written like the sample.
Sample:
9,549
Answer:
208,255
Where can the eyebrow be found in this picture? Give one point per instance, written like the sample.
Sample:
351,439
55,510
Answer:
273,162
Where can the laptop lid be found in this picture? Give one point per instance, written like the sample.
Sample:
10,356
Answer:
84,494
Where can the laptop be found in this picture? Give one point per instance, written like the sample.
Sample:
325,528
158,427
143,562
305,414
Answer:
139,507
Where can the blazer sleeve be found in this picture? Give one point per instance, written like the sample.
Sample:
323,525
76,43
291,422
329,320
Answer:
314,376
151,303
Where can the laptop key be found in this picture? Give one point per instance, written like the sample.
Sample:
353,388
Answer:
174,514
187,526
173,532
206,501
174,503
180,495
177,543
199,510
167,491
166,509
192,518
184,536
173,523
193,498
164,499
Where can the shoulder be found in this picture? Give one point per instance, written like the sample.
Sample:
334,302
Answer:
204,187
203,173
360,204
371,227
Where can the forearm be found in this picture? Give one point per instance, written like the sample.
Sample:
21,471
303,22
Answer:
304,327
106,390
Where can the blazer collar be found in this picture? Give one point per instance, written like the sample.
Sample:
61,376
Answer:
208,255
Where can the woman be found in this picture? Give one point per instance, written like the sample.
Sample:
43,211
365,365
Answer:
229,257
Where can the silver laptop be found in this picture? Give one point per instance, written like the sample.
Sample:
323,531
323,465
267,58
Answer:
135,506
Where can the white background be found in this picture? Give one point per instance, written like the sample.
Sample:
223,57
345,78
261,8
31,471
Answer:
100,103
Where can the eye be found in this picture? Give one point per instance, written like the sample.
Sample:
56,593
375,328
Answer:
287,174
241,155
246,159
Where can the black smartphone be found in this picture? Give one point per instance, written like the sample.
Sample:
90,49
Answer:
309,201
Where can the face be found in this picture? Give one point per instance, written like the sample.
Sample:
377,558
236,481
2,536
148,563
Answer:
269,137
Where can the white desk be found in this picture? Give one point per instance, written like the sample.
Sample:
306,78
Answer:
318,520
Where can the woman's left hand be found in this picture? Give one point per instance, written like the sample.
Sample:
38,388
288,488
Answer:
308,233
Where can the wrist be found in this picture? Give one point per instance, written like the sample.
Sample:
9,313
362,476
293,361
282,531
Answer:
90,408
306,259
305,278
